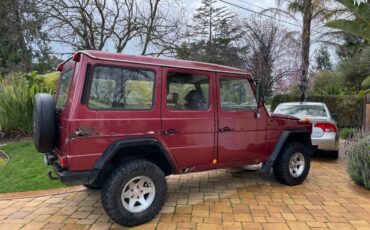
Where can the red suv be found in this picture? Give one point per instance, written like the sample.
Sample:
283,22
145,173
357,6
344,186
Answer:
124,123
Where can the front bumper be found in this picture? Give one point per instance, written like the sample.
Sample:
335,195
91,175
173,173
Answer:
327,142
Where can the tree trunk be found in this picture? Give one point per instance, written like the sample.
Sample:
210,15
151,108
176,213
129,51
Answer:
306,34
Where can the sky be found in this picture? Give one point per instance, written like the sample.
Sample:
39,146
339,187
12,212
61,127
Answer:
191,5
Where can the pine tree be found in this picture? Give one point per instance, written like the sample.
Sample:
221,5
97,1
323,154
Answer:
213,22
323,59
215,32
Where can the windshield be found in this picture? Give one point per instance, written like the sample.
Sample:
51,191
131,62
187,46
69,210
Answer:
301,111
64,85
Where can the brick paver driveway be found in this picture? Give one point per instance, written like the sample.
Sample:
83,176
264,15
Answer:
215,200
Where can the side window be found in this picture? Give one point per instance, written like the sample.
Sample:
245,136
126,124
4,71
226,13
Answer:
236,93
65,83
187,91
121,88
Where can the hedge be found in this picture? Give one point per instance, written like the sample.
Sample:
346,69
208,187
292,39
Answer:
348,108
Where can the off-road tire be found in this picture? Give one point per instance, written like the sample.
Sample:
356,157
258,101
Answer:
45,128
281,164
113,187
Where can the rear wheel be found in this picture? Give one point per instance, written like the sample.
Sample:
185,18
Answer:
134,193
292,165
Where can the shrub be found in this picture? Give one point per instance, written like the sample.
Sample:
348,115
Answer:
328,83
17,93
349,108
357,150
346,133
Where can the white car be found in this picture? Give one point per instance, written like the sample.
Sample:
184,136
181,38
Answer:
325,134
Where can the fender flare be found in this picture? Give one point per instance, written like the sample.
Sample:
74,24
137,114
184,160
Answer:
117,145
266,167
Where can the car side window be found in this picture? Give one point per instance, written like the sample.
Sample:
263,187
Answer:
187,91
236,93
121,88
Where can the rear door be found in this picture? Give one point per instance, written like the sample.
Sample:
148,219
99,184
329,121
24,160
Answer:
241,134
188,116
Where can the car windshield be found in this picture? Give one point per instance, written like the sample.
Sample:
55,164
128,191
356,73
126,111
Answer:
64,85
301,111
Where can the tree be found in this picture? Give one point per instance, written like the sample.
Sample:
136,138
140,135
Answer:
323,59
356,69
20,39
270,52
211,21
360,25
97,24
310,10
215,32
328,83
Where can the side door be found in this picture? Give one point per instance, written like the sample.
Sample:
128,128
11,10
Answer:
241,134
188,116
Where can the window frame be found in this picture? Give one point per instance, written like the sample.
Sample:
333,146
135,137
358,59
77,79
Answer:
90,78
235,77
185,72
68,68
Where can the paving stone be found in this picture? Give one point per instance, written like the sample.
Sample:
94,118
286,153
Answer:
213,200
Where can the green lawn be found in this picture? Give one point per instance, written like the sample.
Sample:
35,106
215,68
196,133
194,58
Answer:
25,170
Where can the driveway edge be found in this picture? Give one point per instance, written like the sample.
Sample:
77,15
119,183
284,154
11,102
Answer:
48,192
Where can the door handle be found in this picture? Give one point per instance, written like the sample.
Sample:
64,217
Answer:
225,129
169,132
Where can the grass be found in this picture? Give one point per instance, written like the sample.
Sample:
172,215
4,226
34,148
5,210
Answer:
25,170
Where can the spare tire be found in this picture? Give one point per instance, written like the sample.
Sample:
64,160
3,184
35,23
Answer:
44,123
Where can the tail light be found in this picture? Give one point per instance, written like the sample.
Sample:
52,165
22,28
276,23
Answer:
76,57
326,127
63,161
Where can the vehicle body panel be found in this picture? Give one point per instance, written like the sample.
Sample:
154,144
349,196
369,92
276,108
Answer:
246,139
198,144
193,142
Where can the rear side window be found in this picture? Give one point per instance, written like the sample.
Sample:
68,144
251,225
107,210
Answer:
236,93
187,91
302,110
121,88
65,83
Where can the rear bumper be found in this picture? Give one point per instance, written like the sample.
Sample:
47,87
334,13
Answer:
74,177
327,142
69,177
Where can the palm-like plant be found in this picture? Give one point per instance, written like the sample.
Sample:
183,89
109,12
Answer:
360,26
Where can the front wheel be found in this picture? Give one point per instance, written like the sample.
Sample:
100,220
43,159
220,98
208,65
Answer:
292,165
134,193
